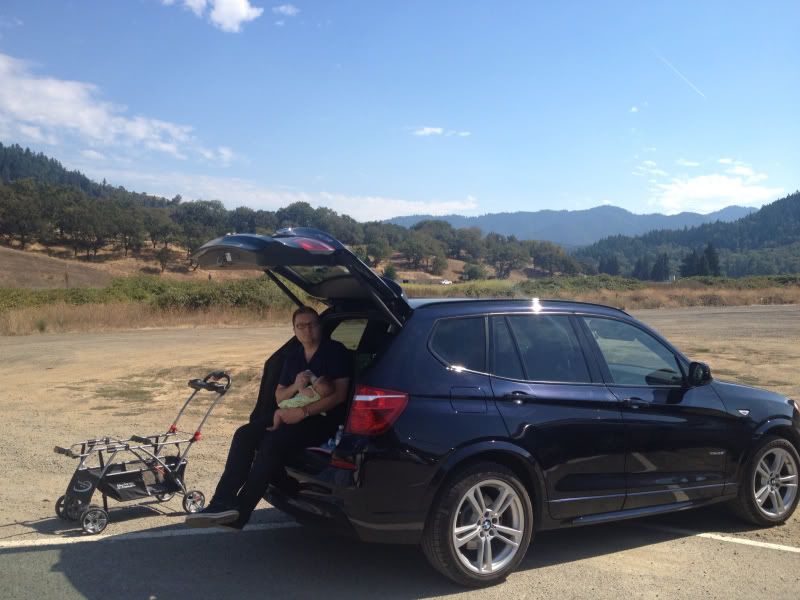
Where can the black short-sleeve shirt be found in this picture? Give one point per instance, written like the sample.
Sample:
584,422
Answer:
331,360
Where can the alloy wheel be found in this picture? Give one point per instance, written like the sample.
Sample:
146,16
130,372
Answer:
775,482
488,526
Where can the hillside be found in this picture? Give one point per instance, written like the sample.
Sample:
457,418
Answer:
763,243
572,228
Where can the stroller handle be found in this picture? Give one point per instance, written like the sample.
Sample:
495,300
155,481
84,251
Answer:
212,386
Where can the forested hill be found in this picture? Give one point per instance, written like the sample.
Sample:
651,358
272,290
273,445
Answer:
18,163
578,227
765,242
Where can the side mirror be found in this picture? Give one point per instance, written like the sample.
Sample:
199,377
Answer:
699,374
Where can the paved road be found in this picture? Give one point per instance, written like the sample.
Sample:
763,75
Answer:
654,558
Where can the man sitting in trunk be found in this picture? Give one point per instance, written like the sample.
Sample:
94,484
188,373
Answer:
257,455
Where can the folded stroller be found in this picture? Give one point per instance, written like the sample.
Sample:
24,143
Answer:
137,467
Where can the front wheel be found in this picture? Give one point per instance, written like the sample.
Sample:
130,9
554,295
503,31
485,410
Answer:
193,501
768,489
94,519
480,526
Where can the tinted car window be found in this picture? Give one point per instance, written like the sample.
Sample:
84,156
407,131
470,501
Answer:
549,348
633,356
505,360
461,343
349,332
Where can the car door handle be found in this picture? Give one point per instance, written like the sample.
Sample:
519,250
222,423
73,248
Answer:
634,403
519,397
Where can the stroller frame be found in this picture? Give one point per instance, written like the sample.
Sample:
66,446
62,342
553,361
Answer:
136,467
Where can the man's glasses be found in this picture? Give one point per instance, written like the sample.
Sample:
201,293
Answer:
309,326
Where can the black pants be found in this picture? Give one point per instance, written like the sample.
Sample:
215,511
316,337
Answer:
257,458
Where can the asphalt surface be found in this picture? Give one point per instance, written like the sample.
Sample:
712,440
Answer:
279,559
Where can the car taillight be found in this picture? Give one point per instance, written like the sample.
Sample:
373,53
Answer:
374,410
308,244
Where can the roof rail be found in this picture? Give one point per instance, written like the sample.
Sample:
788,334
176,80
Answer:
435,301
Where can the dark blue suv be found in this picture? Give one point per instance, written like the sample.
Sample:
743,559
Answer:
475,423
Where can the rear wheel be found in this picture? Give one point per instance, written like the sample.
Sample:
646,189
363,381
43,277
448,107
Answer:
480,527
768,492
68,508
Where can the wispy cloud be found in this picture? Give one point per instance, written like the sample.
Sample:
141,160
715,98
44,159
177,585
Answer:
52,111
227,15
679,74
649,168
428,131
286,10
241,192
686,163
634,109
725,161
7,22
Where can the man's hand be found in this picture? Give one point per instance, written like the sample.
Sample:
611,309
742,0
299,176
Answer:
302,380
291,415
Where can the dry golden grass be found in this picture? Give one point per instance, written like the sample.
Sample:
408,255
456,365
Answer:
676,298
59,318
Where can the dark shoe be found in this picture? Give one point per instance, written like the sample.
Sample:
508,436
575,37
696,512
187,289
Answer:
213,514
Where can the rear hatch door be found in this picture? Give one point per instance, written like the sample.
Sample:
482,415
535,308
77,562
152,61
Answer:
316,262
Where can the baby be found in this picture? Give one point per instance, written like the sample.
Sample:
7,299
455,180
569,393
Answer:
319,388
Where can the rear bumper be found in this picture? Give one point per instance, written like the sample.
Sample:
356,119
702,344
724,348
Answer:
336,500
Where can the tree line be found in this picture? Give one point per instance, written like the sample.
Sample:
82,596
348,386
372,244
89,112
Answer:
42,201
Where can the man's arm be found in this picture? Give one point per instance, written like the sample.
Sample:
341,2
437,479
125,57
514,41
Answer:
332,400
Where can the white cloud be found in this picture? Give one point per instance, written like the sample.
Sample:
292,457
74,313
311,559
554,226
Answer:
725,161
634,109
428,131
707,193
649,163
687,163
93,155
287,10
227,15
425,131
240,192
45,109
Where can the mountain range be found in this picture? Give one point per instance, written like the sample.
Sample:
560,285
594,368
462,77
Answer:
574,228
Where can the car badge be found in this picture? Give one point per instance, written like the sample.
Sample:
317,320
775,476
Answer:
744,412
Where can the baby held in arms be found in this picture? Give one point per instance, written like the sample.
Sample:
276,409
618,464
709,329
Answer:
319,388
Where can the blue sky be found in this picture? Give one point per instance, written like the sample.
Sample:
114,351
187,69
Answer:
378,108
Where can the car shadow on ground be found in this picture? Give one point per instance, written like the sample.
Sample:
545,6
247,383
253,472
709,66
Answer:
301,562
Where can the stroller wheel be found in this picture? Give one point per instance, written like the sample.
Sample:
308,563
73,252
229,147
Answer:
94,519
61,510
165,496
69,509
194,501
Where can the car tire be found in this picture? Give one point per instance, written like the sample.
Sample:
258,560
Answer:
768,492
474,537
